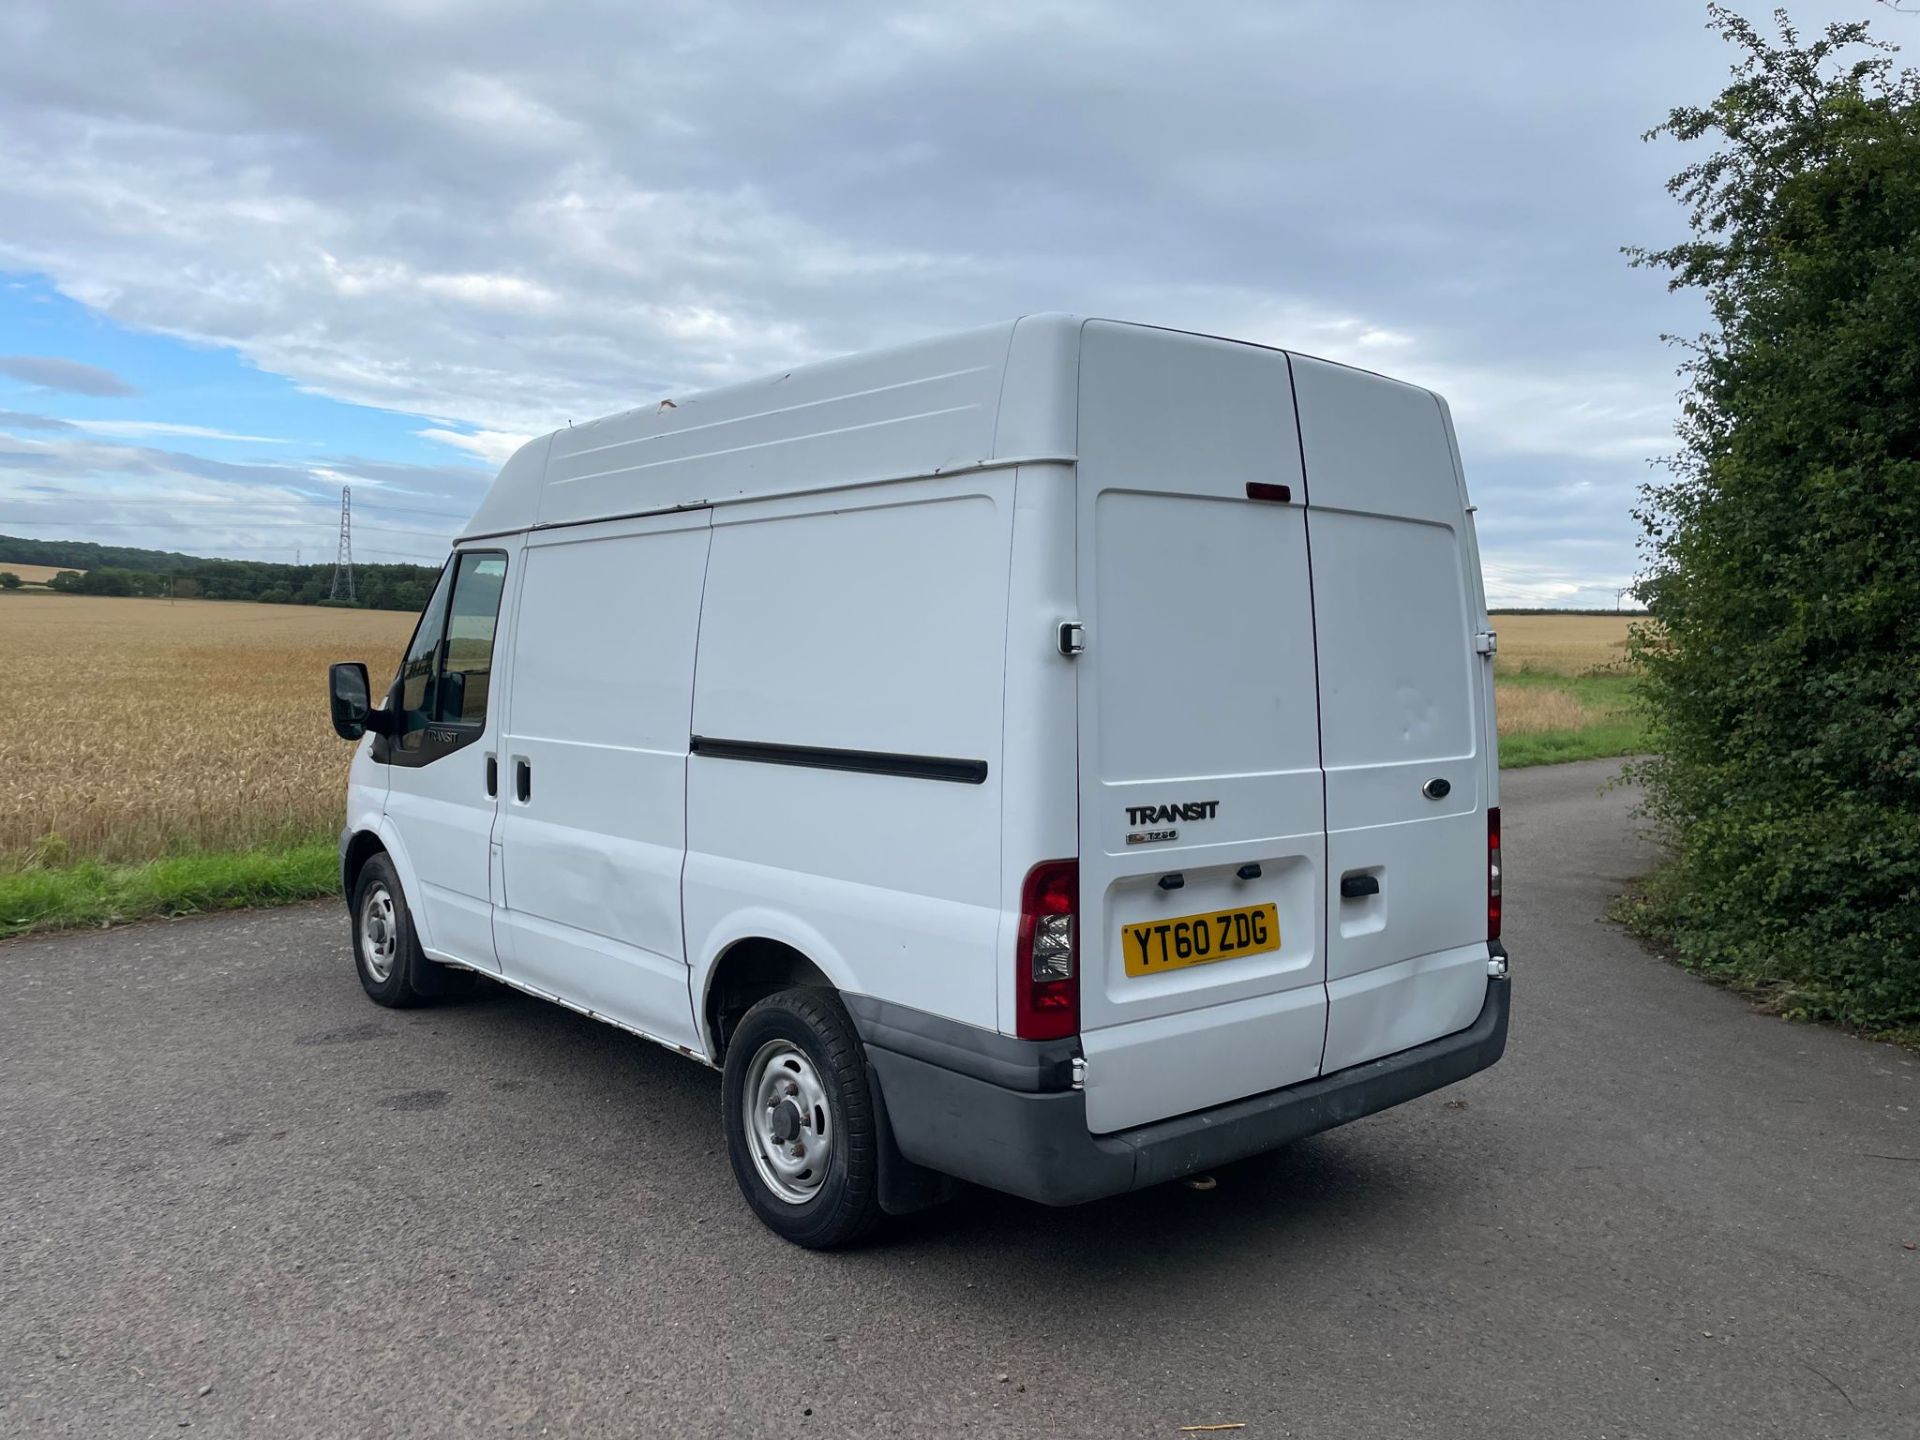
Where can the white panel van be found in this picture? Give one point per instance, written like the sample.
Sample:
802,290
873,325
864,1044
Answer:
1058,757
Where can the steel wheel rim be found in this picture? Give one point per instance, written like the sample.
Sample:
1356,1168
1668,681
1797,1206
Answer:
788,1120
379,933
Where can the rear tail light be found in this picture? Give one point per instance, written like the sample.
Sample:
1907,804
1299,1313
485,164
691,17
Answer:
1493,872
1046,959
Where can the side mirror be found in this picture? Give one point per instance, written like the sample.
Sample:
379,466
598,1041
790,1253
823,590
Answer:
348,696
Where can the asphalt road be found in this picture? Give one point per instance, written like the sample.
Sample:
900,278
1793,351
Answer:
236,1197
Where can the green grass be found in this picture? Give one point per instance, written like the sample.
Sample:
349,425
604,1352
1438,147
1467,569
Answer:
93,894
1616,729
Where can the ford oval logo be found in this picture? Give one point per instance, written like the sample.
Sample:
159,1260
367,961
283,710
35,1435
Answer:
1438,788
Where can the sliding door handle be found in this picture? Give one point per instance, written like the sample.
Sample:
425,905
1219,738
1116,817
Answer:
522,781
493,776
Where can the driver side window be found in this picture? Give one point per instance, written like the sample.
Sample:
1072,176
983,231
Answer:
422,660
443,680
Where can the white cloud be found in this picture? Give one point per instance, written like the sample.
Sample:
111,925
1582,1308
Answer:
139,495
1585,416
47,372
139,429
1523,583
493,446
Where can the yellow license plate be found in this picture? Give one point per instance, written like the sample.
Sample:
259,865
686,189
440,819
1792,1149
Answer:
1152,946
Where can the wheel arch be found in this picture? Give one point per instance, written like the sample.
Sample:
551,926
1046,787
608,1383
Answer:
379,839
744,973
361,847
756,957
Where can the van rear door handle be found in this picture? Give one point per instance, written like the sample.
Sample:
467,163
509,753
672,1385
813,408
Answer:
1355,887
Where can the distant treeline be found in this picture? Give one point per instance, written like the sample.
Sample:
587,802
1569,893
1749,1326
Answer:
92,569
1555,610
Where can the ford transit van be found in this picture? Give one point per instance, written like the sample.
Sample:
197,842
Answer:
1058,757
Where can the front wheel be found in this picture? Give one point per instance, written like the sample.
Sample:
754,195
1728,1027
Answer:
386,953
801,1131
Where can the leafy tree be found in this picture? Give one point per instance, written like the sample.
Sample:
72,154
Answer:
1782,660
9,580
85,555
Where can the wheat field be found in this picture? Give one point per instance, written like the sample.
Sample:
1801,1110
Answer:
36,574
1562,644
1536,710
1573,648
134,728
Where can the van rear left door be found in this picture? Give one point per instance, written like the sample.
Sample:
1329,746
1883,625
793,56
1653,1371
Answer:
1202,847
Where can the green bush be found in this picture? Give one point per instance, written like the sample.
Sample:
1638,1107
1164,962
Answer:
1782,656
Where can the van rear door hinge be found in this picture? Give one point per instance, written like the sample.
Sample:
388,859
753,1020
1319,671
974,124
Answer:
1485,642
1071,637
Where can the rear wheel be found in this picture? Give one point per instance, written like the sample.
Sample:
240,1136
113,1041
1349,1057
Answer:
801,1131
386,953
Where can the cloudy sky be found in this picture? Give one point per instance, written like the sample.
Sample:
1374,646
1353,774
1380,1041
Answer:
254,251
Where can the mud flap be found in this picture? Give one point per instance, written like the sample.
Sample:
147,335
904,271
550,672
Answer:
904,1186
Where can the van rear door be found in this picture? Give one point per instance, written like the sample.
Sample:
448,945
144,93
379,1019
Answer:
1202,845
1403,712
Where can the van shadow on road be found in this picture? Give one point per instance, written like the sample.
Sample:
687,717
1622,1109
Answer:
661,1115
674,1106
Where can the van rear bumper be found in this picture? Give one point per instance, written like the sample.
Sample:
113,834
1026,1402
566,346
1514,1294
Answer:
1034,1142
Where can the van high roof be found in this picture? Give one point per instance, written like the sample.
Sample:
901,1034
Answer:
929,407
997,396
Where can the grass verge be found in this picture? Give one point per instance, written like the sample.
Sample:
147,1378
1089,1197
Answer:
1613,727
91,893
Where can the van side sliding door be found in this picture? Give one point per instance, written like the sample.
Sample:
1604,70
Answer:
593,769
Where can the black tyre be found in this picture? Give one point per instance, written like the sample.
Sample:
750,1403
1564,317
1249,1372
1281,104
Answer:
801,1131
386,953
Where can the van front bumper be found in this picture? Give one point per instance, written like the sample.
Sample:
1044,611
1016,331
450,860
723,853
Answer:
998,1112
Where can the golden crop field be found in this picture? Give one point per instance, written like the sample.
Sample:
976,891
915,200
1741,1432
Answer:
35,574
1536,710
1561,644
1575,647
133,728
